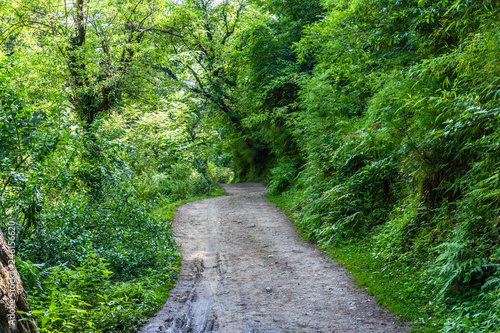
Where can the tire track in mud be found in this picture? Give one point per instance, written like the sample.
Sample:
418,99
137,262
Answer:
245,269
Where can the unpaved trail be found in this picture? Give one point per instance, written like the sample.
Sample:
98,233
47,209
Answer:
245,269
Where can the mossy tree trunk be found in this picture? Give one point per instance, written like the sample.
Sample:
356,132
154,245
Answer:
95,94
12,295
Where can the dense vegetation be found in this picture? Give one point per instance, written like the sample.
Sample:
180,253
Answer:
375,123
383,118
97,150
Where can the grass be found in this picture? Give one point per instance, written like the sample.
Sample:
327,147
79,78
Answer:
397,286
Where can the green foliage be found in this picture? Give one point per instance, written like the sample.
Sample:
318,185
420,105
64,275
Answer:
93,202
85,299
398,124
26,140
282,176
264,67
128,227
376,121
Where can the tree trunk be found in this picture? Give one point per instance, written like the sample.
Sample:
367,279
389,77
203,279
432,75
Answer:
12,295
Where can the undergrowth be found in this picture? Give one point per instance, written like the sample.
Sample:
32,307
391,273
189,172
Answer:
93,214
401,174
94,294
409,286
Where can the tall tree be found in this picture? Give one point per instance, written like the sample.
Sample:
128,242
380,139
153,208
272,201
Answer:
199,33
96,52
264,65
93,44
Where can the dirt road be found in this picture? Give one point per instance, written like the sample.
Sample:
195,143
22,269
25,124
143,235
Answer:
245,269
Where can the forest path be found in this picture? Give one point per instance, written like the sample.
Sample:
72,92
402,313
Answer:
245,269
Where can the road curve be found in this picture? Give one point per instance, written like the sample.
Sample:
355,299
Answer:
245,269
